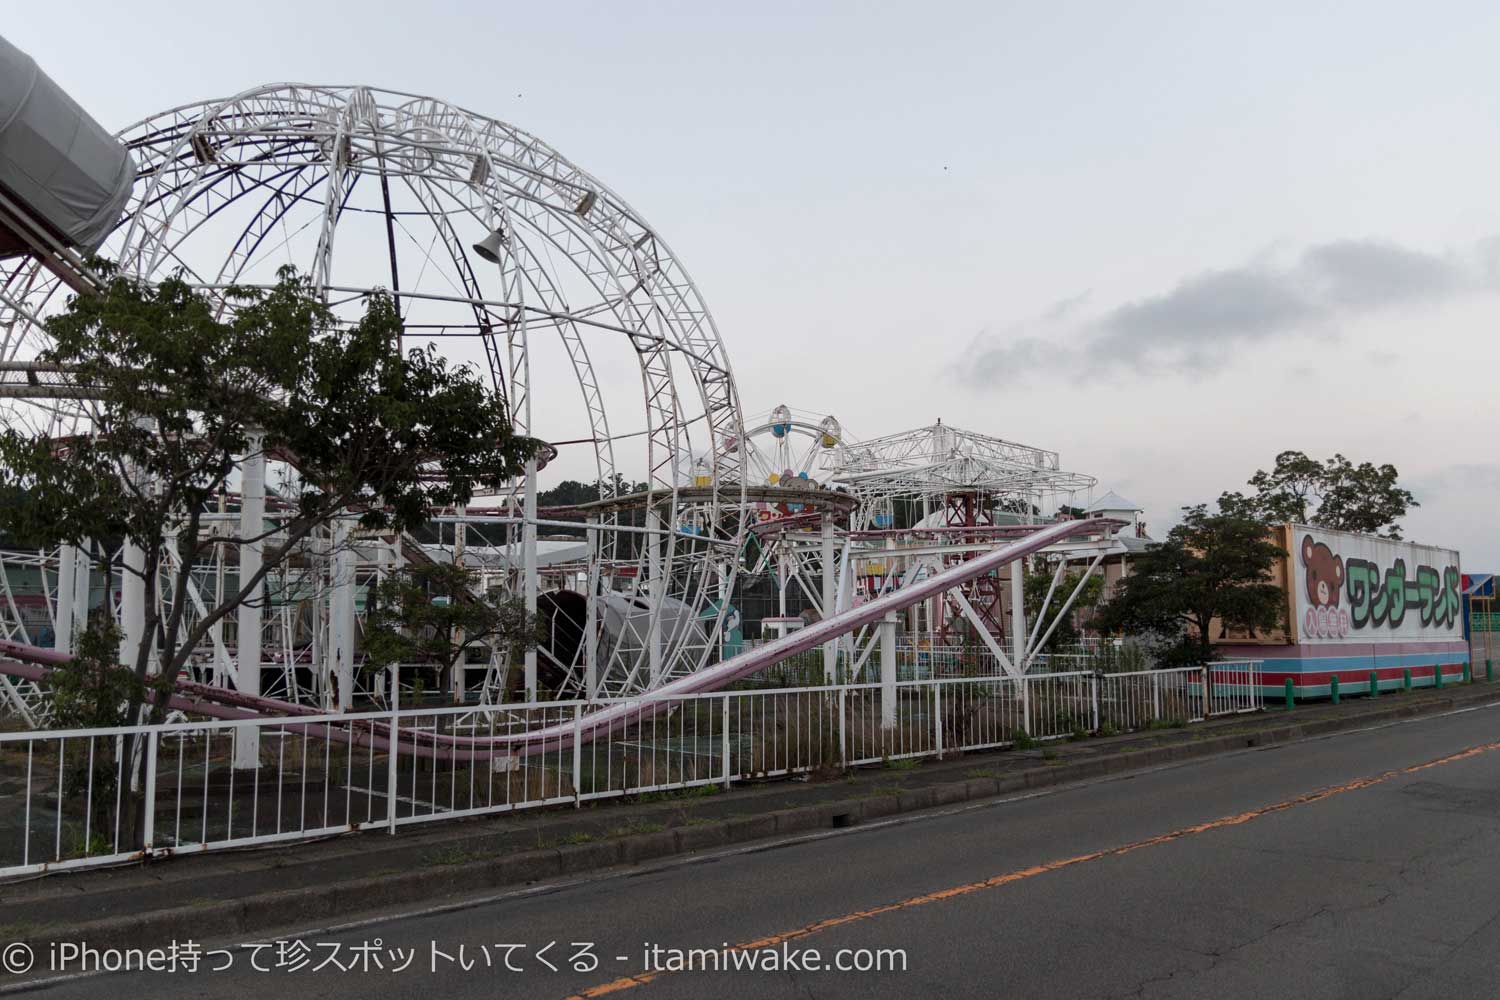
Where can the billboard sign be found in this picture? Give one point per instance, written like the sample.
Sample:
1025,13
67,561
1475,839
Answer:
1351,588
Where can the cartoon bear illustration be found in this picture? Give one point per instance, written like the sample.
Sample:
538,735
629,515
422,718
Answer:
1325,573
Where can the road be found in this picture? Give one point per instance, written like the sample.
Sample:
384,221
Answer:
1364,865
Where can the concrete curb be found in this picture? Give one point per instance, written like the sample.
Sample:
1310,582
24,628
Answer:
330,903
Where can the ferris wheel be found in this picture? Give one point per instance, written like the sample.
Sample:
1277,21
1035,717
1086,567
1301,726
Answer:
496,247
791,448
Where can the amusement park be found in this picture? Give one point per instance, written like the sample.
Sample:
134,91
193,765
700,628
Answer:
370,468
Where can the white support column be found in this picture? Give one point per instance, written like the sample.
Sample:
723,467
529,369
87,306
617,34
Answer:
591,615
528,546
888,656
341,616
657,585
1018,613
831,647
83,584
62,622
132,603
252,525
457,684
783,577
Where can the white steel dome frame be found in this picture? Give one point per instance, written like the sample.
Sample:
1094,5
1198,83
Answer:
484,235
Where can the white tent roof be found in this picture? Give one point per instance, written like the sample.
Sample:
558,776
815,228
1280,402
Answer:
63,168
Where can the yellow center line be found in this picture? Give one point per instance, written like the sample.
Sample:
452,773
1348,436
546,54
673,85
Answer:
937,896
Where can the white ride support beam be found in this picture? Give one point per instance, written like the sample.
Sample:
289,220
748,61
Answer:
341,616
888,658
1068,604
1018,613
63,617
984,633
657,588
528,559
252,526
458,683
82,580
591,616
831,647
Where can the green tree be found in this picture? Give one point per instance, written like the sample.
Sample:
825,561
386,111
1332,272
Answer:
1210,567
180,390
434,614
1333,494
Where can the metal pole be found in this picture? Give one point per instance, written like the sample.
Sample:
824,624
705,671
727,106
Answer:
831,647
252,525
528,545
1018,613
724,740
591,616
392,756
577,756
341,610
888,658
67,569
149,827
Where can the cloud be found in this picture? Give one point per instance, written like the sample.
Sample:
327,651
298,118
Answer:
1201,322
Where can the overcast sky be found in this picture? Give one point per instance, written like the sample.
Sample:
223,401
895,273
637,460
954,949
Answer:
1165,240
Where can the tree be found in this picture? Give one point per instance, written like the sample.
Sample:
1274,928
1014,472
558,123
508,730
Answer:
434,614
1210,567
180,393
1334,494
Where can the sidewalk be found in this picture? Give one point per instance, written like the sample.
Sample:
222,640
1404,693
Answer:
246,892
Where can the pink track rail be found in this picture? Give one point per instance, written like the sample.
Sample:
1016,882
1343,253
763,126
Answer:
33,663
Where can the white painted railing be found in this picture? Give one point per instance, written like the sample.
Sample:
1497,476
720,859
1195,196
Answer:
66,799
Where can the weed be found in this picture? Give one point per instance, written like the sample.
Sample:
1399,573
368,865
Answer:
903,764
693,792
453,856
636,826
578,838
1024,740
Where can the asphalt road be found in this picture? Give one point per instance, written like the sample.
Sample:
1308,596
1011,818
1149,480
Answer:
1339,867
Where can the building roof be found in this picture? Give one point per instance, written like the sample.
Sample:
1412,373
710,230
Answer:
1113,501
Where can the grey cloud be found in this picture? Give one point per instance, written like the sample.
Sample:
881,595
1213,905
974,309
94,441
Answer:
1207,316
1360,275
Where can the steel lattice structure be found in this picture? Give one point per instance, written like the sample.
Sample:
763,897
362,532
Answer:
491,242
938,462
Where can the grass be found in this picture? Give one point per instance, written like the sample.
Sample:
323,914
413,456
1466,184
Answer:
453,856
983,772
576,838
693,792
903,764
887,789
1024,740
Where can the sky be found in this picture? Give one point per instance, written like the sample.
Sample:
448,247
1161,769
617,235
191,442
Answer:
1165,240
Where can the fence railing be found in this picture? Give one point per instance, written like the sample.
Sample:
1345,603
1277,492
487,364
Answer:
80,798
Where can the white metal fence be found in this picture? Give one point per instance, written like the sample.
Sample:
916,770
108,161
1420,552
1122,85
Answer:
66,796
